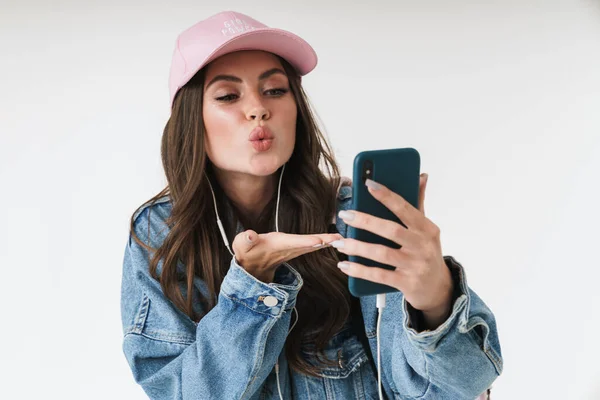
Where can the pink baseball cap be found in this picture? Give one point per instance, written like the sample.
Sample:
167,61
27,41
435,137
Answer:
231,31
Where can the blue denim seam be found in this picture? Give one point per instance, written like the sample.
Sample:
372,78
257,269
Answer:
424,394
140,320
496,360
329,391
487,349
442,330
466,325
460,312
277,287
359,358
427,376
296,285
260,354
281,308
358,386
165,338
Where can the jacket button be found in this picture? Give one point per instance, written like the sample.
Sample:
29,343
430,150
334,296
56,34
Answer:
270,301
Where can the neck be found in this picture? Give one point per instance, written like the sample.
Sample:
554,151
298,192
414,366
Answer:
248,193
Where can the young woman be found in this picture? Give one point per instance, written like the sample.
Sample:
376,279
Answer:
235,275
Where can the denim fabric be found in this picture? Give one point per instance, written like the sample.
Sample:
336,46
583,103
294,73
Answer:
231,352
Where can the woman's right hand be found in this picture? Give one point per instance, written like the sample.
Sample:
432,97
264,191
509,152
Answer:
261,254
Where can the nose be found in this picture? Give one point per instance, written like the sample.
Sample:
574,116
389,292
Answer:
258,113
257,110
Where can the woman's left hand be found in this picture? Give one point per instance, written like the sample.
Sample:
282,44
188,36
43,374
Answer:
421,273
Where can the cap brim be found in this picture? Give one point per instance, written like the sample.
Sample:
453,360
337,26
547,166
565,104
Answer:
285,44
292,48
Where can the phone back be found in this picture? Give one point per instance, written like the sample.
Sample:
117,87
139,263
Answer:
397,169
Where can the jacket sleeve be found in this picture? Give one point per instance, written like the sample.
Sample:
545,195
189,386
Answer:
227,355
458,360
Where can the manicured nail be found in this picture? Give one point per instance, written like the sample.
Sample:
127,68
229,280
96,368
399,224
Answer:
346,215
372,184
343,265
338,244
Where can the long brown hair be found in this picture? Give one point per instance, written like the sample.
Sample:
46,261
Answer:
307,205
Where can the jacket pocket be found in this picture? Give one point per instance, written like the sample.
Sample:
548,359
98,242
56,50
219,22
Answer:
161,321
352,376
348,354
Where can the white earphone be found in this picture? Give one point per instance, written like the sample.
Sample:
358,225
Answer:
222,230
224,236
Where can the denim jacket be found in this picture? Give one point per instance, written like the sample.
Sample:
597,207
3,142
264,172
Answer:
232,351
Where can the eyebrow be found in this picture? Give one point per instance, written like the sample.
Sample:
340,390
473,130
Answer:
232,78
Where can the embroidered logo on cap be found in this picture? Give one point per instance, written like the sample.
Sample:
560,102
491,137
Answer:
236,26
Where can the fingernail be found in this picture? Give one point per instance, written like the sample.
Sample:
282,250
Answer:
343,265
318,245
372,184
338,244
347,215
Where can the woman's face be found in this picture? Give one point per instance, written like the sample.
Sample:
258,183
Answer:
242,91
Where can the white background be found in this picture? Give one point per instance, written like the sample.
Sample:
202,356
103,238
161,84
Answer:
500,98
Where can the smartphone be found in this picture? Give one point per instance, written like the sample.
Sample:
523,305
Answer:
398,170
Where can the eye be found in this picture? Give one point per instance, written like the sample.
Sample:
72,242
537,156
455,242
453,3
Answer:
227,97
276,92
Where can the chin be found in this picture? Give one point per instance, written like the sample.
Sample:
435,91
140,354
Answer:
267,164
263,168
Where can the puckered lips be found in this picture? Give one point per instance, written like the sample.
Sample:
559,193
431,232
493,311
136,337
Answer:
261,138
